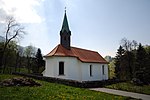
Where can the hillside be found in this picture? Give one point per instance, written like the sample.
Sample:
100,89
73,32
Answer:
52,91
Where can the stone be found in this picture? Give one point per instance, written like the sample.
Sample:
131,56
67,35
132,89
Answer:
19,81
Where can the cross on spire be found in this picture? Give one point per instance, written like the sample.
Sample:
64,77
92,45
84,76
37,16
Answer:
65,25
65,9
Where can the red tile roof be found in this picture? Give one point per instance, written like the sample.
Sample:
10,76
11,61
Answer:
82,54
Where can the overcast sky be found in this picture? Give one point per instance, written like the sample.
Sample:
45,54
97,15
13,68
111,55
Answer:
97,25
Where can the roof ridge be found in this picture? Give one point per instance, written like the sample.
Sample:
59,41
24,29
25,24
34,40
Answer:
84,49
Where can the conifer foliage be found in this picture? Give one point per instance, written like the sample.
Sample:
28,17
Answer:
119,58
133,62
142,68
39,59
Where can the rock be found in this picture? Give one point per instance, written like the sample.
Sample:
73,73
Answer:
136,81
21,81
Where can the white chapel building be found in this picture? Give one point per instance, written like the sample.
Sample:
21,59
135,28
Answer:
72,63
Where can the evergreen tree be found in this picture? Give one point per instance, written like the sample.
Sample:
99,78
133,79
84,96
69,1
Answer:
39,59
129,64
148,65
129,57
118,60
141,63
132,62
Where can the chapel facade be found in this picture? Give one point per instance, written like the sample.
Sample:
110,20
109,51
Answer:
73,63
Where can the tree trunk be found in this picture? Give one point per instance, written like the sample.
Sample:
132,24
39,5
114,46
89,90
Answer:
28,64
17,59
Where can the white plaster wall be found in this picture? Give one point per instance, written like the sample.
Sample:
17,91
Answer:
74,69
49,69
86,72
96,72
105,76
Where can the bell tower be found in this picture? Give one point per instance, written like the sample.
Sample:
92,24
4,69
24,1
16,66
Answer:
65,33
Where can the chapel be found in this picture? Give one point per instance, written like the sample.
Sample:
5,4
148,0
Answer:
73,63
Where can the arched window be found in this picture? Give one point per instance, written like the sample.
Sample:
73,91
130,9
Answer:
91,70
103,69
61,68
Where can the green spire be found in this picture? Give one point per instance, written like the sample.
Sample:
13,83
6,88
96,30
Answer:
65,25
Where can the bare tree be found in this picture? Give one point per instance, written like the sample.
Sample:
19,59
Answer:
126,44
134,44
13,31
129,45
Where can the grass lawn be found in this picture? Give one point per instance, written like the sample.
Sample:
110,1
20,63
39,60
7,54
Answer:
127,86
52,91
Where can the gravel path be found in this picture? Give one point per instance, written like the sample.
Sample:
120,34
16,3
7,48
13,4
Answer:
123,93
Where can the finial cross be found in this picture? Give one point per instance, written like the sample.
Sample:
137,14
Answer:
65,9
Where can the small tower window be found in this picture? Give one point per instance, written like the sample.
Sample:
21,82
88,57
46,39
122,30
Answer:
65,38
103,69
61,68
91,70
69,38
